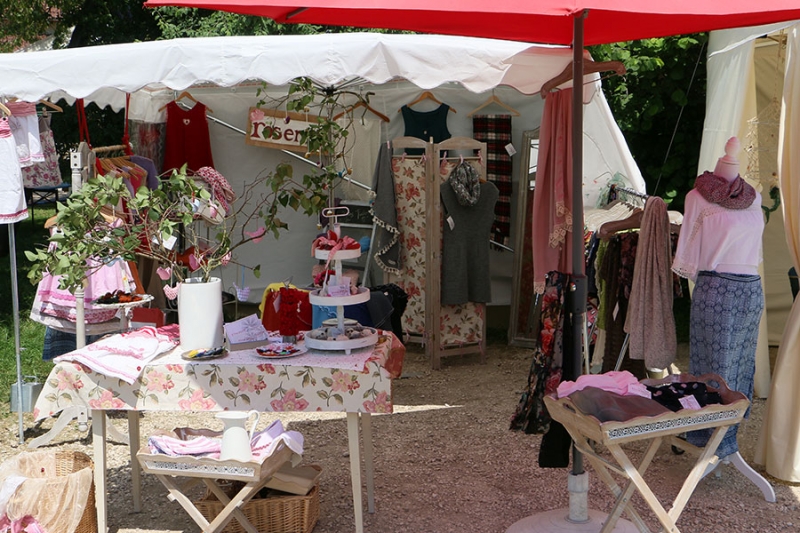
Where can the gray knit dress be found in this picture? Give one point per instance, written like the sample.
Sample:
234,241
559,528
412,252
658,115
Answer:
465,248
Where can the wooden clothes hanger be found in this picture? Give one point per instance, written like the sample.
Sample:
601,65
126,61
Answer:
53,107
634,221
369,108
496,101
188,96
589,67
5,110
427,95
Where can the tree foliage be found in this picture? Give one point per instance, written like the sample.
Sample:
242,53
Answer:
662,94
175,22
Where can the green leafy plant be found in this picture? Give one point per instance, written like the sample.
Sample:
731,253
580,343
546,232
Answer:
154,222
164,223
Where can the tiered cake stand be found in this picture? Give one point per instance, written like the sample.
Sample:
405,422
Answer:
340,337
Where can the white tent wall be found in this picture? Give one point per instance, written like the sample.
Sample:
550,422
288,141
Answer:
740,86
460,71
240,163
779,442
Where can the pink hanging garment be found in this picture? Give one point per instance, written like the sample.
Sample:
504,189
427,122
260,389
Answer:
552,215
47,172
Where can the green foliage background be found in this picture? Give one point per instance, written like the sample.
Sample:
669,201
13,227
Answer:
660,107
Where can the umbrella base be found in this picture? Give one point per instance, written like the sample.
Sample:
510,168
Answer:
557,521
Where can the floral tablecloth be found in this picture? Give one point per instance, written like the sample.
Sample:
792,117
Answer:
359,382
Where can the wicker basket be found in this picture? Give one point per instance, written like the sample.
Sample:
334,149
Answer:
47,470
284,513
68,462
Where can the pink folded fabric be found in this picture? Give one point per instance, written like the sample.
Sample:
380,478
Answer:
124,355
622,382
198,446
265,442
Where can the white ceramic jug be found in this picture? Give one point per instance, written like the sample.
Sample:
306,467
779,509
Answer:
235,437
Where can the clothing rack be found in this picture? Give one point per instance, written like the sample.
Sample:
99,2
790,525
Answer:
616,188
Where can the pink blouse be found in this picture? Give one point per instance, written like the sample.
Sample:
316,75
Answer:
718,239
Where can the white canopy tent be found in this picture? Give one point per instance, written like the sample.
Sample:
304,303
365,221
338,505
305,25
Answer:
224,72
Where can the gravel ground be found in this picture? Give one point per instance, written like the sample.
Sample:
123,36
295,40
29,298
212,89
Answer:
446,462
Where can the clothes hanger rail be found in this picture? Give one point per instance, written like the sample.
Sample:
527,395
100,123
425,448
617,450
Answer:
589,67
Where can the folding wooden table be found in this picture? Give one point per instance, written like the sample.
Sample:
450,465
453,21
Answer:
255,474
585,429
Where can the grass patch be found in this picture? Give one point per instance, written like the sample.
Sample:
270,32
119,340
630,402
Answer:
27,234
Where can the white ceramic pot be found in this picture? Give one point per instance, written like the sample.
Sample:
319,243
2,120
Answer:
200,314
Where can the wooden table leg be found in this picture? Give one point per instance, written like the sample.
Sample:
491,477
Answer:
136,471
707,457
355,469
99,446
369,466
623,500
632,473
233,505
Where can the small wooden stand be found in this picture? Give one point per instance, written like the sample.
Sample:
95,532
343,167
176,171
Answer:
255,474
585,428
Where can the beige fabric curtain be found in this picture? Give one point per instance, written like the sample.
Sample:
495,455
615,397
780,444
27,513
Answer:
779,443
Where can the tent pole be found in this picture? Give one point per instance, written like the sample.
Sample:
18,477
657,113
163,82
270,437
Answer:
578,283
15,309
578,479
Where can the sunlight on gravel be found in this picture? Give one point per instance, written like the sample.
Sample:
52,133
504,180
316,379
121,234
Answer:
444,462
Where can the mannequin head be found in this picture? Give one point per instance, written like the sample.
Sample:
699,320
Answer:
728,165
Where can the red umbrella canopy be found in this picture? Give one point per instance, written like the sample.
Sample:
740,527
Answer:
544,21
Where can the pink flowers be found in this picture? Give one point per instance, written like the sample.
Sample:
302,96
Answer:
381,404
267,369
197,402
344,383
250,382
68,381
107,401
289,402
158,381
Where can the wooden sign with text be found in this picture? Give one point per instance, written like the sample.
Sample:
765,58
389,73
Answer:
276,129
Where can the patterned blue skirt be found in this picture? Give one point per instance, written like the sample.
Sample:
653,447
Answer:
725,313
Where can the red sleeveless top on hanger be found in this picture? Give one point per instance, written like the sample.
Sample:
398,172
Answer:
187,138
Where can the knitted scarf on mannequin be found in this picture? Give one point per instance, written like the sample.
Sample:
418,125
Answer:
736,194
